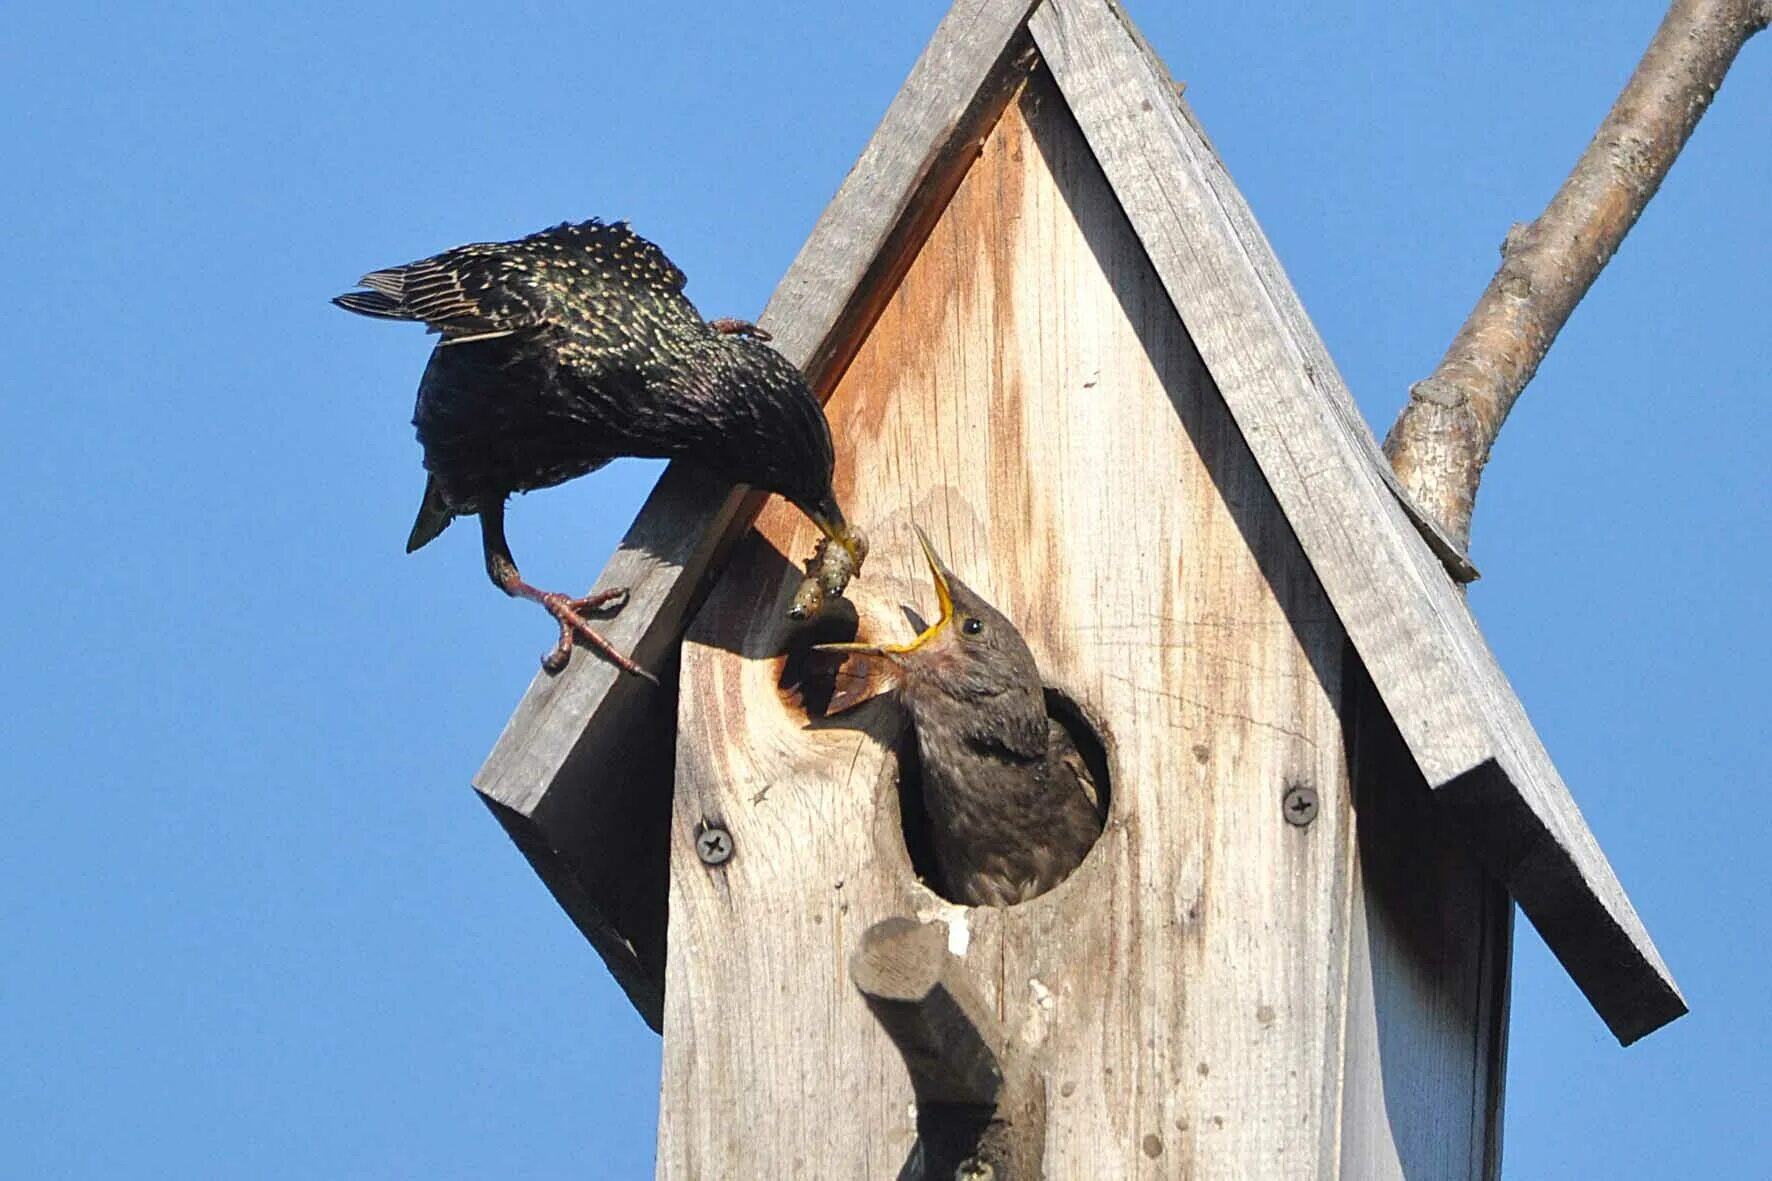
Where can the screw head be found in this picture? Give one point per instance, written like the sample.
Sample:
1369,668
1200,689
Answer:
1299,805
713,845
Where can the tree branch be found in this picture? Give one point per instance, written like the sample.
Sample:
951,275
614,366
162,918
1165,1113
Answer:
1442,439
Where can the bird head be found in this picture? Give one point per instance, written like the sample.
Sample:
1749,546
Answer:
970,654
760,424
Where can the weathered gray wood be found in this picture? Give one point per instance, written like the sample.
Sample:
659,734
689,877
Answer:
1464,726
1029,396
763,1030
919,994
916,156
1317,360
677,530
1429,956
1219,993
567,810
980,1100
580,776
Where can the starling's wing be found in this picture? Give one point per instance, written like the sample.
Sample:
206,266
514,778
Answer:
469,293
561,276
1045,851
997,882
612,251
1068,762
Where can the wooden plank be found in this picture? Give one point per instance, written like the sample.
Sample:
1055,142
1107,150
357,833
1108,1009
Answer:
772,1065
585,751
1030,398
556,744
1465,728
899,185
1430,942
981,1104
559,716
1317,361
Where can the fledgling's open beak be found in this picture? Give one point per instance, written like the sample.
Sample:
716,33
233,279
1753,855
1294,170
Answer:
943,596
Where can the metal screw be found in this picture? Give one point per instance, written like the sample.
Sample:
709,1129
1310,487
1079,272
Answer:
1299,805
713,846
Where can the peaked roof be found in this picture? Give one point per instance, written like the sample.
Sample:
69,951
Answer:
562,777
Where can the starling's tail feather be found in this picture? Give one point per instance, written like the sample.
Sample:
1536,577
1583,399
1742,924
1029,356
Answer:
391,282
433,517
373,303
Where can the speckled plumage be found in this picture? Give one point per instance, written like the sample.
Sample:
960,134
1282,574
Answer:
571,347
576,345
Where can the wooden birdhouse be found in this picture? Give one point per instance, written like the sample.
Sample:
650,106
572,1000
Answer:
1050,333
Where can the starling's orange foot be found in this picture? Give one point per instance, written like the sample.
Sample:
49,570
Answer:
569,612
731,327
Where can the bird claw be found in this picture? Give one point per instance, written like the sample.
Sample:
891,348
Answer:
729,326
569,613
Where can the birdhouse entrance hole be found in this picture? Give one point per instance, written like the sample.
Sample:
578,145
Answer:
1088,733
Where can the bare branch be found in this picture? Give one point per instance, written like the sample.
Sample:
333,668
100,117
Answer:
1441,441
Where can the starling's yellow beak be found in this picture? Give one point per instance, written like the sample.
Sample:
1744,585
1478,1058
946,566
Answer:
944,598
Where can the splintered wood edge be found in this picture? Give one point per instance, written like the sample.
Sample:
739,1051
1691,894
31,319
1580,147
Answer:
1405,617
818,313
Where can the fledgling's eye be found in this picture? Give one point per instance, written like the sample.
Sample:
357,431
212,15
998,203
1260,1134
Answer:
972,626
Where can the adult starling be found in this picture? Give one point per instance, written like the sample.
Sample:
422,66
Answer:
566,349
1012,804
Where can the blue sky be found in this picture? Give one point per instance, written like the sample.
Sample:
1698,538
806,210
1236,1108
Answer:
255,922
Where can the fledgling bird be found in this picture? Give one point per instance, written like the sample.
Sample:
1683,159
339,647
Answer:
1012,804
574,346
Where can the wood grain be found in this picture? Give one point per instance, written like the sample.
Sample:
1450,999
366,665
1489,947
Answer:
1430,948
564,773
901,182
1464,725
1029,397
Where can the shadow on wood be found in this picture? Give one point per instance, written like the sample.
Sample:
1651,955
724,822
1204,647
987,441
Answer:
981,1107
1432,969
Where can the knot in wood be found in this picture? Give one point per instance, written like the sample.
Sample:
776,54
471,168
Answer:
1438,391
